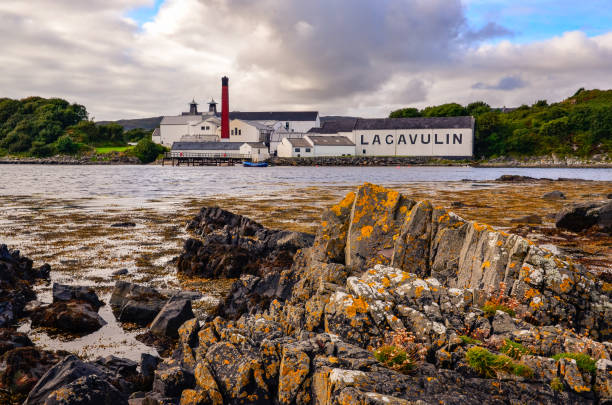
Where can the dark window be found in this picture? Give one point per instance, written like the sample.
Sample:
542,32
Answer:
307,149
232,132
286,125
203,128
240,132
297,149
364,152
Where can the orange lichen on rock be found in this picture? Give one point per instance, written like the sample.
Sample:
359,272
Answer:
359,305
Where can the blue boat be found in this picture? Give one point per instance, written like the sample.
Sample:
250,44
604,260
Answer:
258,164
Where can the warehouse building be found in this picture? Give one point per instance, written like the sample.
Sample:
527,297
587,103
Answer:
256,151
451,137
315,146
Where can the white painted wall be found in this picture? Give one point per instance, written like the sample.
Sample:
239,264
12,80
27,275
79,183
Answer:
422,142
244,132
285,149
257,154
213,152
333,150
172,133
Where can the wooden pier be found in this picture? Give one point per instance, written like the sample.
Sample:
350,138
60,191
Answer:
204,159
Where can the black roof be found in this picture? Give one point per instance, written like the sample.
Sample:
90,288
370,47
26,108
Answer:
333,127
414,123
207,145
275,115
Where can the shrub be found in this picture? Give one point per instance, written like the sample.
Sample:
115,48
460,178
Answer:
514,349
65,144
583,361
401,352
490,365
147,151
395,358
470,341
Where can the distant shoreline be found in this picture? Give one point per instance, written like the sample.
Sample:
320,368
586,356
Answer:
332,161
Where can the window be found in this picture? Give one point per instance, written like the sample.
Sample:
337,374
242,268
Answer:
307,149
204,128
364,152
286,125
240,132
233,133
297,149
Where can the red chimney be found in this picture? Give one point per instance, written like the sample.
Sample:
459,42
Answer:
225,130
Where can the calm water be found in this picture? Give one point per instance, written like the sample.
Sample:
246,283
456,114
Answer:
155,182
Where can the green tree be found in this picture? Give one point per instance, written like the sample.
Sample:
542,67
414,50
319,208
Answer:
477,108
66,145
445,110
405,113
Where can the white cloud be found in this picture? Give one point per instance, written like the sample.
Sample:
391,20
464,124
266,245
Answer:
343,57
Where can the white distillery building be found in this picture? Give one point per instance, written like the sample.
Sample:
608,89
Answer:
315,146
244,126
451,137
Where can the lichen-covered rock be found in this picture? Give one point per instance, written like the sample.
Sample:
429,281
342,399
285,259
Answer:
87,390
171,381
381,263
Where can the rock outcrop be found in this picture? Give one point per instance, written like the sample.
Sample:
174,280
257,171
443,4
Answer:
233,245
580,217
382,263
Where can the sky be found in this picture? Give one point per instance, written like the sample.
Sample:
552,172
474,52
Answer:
142,58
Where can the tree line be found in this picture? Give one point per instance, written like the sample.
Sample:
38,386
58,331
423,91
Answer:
40,127
578,126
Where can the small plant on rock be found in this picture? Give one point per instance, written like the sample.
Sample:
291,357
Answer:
401,352
470,341
556,384
491,365
514,349
500,302
584,362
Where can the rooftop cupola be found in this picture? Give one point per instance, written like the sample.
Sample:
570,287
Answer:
193,107
212,106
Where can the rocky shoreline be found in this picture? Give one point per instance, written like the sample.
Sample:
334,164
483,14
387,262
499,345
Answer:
393,301
503,162
114,158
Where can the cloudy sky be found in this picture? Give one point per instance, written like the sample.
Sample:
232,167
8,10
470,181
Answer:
139,58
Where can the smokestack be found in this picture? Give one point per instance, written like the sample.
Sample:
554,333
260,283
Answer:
225,130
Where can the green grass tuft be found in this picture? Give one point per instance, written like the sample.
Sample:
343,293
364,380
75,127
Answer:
583,361
469,341
489,365
110,149
556,384
490,309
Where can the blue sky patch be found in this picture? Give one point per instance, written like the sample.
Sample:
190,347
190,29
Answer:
145,14
538,20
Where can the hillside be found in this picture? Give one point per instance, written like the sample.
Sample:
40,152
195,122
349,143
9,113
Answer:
138,123
580,125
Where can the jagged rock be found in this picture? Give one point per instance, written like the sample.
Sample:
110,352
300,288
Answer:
63,292
22,367
62,374
554,195
11,339
421,269
232,245
579,217
16,275
603,380
136,303
87,390
171,317
77,317
503,323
